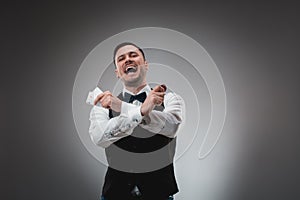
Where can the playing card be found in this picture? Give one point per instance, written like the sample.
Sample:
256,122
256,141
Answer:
92,96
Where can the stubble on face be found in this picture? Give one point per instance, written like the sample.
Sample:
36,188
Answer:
135,79
131,66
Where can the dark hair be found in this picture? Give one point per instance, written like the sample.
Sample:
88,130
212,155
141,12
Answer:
125,44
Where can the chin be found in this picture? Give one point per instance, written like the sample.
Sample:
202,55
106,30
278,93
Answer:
133,82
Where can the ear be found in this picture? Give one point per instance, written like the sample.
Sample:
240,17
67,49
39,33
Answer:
146,65
117,73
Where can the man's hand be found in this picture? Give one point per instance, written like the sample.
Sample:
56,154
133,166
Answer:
109,101
155,97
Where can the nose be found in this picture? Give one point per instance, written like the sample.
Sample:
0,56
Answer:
128,60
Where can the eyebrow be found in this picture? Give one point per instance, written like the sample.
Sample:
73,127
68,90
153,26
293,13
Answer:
130,52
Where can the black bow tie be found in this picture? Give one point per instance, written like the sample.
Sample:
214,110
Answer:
140,97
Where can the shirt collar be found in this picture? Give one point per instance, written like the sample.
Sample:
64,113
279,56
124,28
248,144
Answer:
146,89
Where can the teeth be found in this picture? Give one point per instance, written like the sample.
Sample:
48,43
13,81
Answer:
129,69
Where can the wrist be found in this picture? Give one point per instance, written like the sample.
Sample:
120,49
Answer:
146,108
116,105
142,111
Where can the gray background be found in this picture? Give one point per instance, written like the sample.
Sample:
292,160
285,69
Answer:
255,46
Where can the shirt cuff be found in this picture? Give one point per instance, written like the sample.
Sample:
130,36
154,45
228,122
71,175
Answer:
153,122
133,112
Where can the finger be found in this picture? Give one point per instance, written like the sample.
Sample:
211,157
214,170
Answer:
106,101
105,98
157,88
160,94
164,87
161,88
106,104
98,98
159,100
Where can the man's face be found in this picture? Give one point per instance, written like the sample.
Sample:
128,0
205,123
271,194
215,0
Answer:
131,67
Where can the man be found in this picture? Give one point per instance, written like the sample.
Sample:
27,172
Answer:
138,131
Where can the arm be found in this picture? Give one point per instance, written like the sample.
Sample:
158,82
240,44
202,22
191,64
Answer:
105,131
165,122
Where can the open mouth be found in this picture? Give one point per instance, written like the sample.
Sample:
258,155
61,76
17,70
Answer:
130,69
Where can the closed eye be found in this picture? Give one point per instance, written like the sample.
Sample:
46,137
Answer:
133,54
121,58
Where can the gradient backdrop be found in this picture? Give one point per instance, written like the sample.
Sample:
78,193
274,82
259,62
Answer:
254,45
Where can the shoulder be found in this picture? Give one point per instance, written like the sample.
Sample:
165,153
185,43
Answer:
172,97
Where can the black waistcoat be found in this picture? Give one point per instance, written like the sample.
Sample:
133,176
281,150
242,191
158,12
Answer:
142,159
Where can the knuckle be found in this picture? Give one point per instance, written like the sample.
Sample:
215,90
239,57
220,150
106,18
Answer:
107,92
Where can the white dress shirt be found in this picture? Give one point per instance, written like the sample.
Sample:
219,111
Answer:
105,131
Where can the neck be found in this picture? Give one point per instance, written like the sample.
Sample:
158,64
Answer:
134,89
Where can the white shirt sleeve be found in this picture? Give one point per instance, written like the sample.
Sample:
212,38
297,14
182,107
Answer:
105,131
166,122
